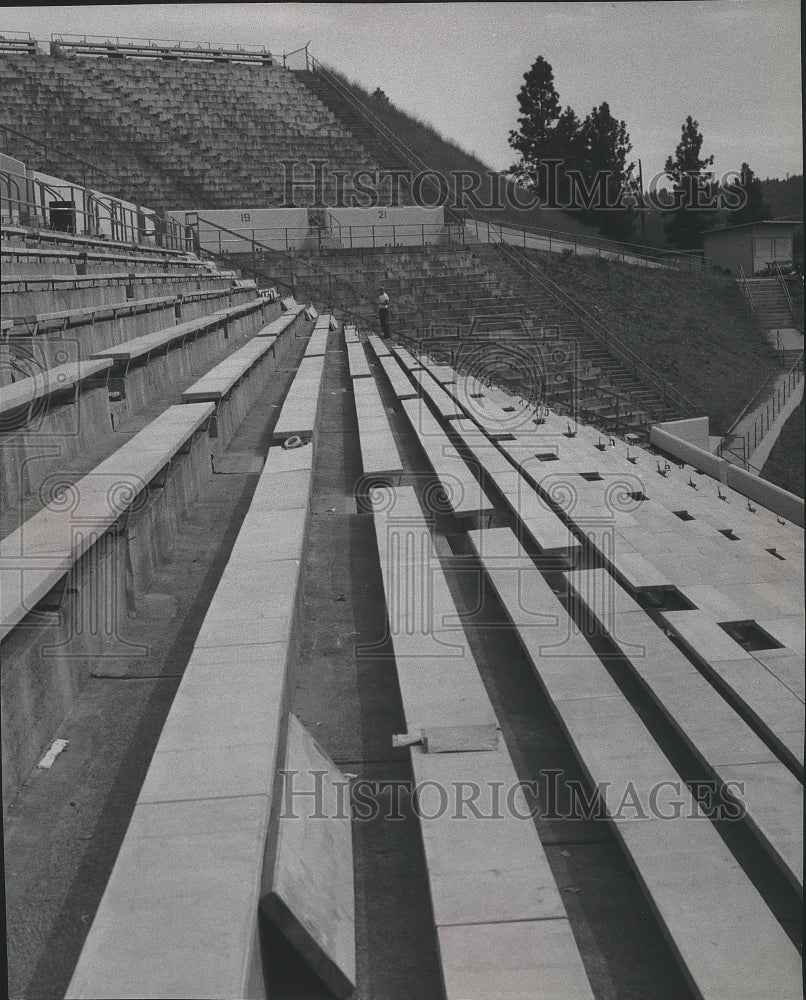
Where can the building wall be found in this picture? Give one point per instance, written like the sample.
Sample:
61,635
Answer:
403,226
730,248
279,228
770,244
754,247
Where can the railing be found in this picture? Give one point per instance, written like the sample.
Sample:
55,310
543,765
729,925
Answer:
257,250
91,207
17,41
161,48
744,284
752,436
787,296
596,328
408,154
313,237
557,241
631,252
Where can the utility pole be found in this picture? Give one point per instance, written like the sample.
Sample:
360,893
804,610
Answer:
643,209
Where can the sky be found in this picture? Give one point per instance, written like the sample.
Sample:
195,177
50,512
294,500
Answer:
734,65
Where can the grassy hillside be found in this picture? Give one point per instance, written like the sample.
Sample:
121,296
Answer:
693,330
785,466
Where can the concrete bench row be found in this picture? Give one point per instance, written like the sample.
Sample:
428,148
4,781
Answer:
292,318
32,295
179,916
380,458
775,708
32,260
721,740
53,415
88,243
498,912
692,881
71,573
67,318
462,493
298,416
547,531
725,744
235,384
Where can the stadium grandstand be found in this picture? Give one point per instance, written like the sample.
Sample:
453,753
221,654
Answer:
464,664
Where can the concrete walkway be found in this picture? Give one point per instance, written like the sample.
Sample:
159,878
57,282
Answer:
750,440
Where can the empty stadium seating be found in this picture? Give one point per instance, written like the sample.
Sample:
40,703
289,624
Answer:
135,117
449,561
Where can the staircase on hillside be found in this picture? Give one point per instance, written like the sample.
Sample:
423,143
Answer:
771,306
345,108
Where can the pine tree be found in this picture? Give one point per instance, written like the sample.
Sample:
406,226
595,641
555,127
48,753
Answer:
694,204
605,145
754,209
546,133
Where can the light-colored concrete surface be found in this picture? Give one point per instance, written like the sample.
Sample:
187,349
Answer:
463,494
615,748
537,959
310,896
357,360
206,872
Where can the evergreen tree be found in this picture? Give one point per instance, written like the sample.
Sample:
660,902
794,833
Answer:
754,209
604,144
546,133
694,202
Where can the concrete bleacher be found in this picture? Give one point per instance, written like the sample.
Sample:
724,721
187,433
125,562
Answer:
658,611
691,880
133,116
54,413
209,791
607,515
492,925
124,512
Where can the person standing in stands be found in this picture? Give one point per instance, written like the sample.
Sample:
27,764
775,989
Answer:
383,313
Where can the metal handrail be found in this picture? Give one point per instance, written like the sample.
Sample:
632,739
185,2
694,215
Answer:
594,326
374,121
254,245
573,241
163,224
780,276
746,288
788,381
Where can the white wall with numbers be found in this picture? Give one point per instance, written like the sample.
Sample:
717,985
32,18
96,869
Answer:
404,226
278,228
